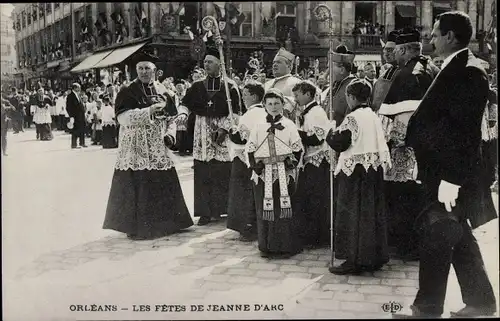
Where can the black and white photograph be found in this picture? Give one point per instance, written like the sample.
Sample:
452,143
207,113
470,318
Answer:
249,160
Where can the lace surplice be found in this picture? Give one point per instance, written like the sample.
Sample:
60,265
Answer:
141,144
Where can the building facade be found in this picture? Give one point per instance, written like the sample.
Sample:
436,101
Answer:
51,38
8,57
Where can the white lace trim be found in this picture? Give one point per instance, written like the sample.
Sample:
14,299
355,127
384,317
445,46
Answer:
244,132
488,133
317,158
204,149
374,160
42,116
350,124
318,131
141,147
404,165
109,123
398,131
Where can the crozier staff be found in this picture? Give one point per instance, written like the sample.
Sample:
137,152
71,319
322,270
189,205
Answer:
212,163
146,199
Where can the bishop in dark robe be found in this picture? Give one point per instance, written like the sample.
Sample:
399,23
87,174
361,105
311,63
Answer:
212,163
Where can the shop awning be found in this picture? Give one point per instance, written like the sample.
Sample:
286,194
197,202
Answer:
406,11
89,62
118,55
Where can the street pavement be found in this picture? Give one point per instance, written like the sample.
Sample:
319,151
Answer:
59,264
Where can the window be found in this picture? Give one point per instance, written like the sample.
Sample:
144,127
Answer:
285,8
18,22
285,22
35,13
246,28
56,5
48,7
28,17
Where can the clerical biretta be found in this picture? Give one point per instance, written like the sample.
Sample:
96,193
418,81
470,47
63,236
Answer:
212,164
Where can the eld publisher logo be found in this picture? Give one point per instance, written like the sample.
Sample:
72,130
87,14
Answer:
392,307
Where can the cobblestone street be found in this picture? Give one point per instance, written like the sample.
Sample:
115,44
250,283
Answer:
57,256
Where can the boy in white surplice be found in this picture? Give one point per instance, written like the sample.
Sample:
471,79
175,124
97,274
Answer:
360,223
313,195
274,150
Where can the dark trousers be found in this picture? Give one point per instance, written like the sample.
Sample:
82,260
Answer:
436,257
190,131
97,137
77,135
28,119
37,127
404,203
17,123
61,124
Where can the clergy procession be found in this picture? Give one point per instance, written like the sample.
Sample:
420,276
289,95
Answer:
398,167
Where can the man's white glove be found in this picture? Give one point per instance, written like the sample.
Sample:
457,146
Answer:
448,194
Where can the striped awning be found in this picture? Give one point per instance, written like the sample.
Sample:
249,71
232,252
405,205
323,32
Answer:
118,55
91,61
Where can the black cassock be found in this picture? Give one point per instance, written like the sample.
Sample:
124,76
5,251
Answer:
212,163
146,199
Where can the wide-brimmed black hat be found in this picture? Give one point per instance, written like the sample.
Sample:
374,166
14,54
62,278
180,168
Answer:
212,51
408,35
143,56
392,36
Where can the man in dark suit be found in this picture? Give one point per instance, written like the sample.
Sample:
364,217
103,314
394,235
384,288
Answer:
76,112
445,133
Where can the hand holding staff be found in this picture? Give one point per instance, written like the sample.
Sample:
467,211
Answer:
209,23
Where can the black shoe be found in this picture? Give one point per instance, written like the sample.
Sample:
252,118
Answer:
84,146
345,268
75,147
264,254
136,238
204,220
372,268
474,312
282,256
416,314
247,238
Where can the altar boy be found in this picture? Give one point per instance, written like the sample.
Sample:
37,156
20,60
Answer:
313,194
274,150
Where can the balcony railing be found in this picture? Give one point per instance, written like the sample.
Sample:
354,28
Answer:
367,42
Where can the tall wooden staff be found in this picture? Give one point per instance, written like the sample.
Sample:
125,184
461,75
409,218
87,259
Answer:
323,13
209,23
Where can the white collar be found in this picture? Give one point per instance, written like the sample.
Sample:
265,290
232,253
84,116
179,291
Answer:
279,78
254,105
450,57
312,102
